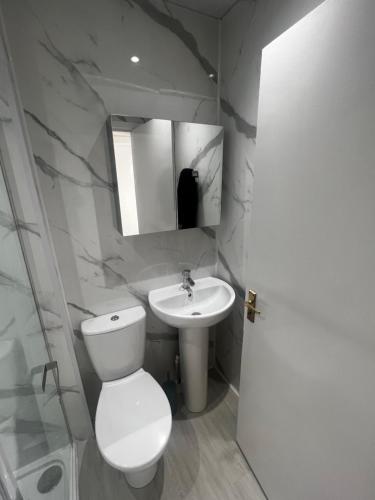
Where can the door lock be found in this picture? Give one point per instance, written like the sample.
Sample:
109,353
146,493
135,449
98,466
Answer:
250,304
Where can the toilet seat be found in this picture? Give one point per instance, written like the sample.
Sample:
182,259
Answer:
133,422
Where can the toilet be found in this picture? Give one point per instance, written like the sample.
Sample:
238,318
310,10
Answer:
133,419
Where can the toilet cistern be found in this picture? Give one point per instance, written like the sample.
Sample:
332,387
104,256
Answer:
133,418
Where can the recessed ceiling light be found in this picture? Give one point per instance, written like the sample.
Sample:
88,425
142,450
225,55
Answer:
135,59
211,75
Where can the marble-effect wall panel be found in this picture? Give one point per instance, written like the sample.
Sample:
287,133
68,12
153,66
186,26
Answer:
73,66
246,29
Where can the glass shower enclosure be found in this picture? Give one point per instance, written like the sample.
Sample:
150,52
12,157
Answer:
35,443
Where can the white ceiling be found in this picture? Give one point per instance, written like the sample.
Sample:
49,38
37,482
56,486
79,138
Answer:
215,8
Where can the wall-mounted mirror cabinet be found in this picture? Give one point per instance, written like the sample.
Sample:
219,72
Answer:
168,174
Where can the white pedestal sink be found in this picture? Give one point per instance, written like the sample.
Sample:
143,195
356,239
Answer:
211,302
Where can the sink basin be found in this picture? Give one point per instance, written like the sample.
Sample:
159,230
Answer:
211,301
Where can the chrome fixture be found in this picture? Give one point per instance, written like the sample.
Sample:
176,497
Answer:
187,282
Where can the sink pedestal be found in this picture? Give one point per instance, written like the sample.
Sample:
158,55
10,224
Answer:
194,366
193,314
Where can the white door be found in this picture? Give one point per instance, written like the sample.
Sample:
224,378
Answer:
307,395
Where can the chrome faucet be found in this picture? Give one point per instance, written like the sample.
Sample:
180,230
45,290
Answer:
187,282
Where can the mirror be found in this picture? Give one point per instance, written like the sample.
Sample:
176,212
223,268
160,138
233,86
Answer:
168,174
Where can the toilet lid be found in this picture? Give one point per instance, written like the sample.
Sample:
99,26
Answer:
133,421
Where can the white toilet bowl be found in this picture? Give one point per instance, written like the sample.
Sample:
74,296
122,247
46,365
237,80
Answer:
133,419
133,424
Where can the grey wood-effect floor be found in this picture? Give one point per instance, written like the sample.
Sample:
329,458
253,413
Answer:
202,460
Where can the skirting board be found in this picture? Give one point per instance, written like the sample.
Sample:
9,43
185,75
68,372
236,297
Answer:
231,386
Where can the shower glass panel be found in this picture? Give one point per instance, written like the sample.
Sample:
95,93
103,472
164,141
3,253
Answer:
35,445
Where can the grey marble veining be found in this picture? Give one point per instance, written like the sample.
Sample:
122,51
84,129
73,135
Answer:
212,144
83,310
9,281
66,146
55,174
239,289
242,126
11,224
71,67
176,27
173,24
80,72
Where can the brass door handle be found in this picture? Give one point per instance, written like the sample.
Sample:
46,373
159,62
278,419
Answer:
250,304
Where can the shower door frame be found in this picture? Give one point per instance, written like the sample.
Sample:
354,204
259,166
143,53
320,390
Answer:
35,297
5,485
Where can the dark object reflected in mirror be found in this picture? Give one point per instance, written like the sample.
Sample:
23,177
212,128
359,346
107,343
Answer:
198,149
168,174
